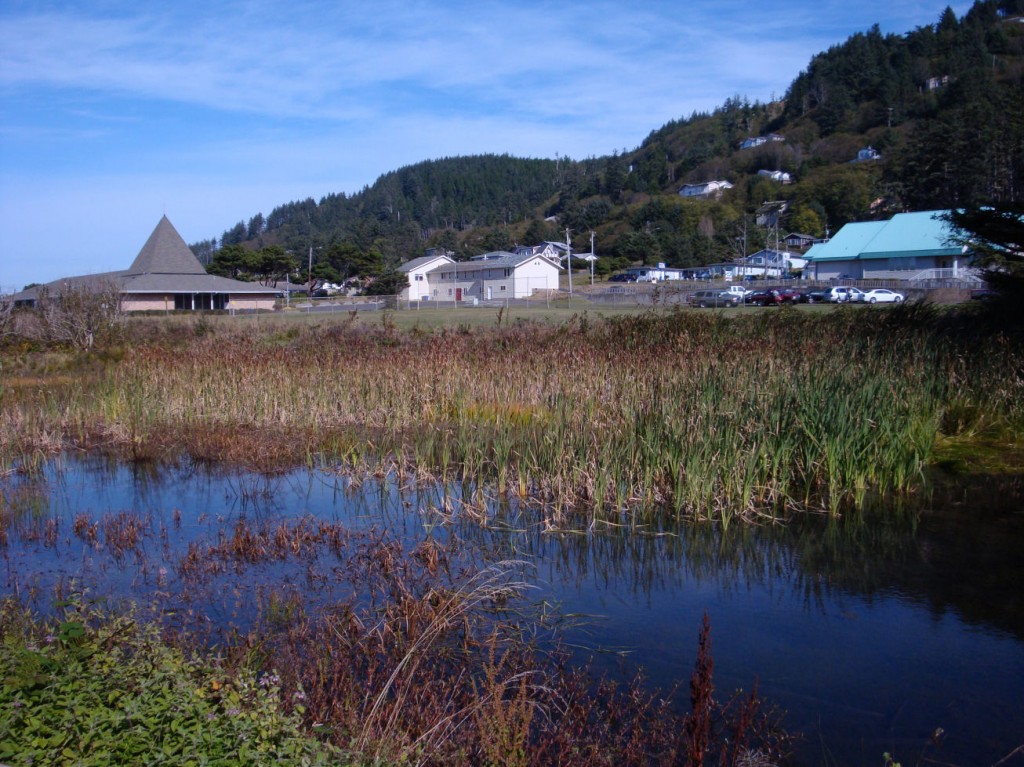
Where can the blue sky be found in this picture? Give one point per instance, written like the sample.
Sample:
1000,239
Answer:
115,113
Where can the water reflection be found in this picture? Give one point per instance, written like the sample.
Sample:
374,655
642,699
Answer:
871,629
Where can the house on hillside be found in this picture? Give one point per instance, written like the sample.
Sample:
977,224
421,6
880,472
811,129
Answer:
868,154
418,271
770,214
498,275
706,190
551,250
754,141
165,276
909,246
801,241
778,176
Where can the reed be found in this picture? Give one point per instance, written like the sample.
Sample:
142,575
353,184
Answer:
677,413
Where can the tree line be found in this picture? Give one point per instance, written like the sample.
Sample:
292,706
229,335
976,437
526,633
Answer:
942,105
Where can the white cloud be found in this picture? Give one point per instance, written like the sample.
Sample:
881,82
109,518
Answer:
114,110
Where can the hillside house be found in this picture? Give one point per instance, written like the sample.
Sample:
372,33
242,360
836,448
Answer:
769,214
755,141
868,154
800,241
705,190
779,176
553,251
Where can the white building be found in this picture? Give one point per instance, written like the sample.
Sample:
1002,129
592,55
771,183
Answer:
779,176
767,263
492,276
756,141
658,273
417,271
706,189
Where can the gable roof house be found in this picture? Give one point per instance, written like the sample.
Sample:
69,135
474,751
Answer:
495,275
800,240
554,251
768,262
867,154
909,246
164,276
706,190
754,141
776,175
418,271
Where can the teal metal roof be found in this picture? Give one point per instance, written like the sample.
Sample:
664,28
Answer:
913,234
847,244
905,235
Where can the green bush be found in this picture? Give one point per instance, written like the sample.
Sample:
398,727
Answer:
103,689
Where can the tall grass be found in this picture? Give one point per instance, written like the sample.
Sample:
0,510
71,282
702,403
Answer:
688,413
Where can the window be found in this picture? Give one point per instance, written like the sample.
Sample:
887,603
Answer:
200,302
419,278
502,287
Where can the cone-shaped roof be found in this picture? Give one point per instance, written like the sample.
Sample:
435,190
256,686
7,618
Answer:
165,253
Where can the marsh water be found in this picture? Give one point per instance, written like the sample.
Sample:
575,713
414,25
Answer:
872,631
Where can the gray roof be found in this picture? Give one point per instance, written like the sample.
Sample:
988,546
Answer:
495,260
189,283
164,265
165,253
415,263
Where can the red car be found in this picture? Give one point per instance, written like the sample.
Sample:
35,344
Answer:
792,296
766,297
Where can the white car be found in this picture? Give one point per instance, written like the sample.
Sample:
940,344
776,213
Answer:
883,296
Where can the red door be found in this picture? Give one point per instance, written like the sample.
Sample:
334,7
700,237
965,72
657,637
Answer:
458,294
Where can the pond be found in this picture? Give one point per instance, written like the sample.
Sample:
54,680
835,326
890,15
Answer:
872,631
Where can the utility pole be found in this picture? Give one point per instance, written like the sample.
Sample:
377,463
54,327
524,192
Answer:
592,259
568,259
309,270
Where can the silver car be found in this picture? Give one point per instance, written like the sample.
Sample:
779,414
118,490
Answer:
842,294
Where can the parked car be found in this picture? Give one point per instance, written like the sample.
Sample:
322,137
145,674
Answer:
982,294
792,296
622,277
815,296
842,294
738,290
713,298
765,297
883,296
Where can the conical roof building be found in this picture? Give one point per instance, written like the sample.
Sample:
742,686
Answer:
165,276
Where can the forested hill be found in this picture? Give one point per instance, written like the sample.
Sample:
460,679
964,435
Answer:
942,107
